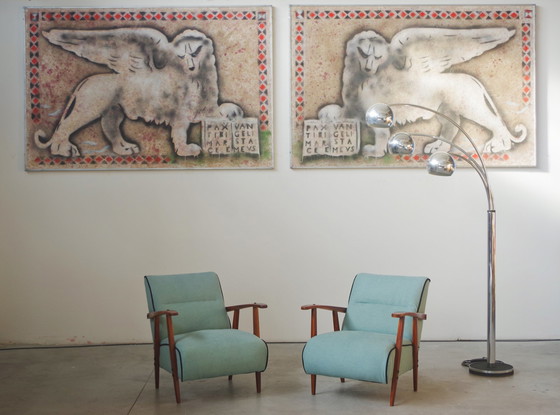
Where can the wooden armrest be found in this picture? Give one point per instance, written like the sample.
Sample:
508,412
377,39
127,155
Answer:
255,307
324,307
155,314
314,307
169,314
399,344
400,331
419,316
241,306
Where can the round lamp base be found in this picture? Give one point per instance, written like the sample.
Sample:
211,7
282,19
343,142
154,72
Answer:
481,367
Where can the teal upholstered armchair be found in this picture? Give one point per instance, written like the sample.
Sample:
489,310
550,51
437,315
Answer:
193,335
380,335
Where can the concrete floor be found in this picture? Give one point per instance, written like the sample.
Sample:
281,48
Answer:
119,380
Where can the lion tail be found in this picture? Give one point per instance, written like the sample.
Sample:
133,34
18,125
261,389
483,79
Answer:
39,139
520,134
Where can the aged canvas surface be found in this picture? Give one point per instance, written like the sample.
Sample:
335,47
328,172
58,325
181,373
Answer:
476,64
149,88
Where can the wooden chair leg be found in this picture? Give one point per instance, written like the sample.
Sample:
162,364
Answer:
156,366
397,361
177,387
173,358
156,375
313,384
258,381
415,347
175,374
394,387
415,370
156,352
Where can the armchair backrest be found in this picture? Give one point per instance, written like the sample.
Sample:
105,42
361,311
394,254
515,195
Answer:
374,298
196,297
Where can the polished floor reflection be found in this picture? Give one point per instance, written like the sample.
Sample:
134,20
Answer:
119,380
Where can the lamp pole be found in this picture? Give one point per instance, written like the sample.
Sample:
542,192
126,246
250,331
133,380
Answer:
443,164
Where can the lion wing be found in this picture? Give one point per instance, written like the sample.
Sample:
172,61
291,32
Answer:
435,49
122,50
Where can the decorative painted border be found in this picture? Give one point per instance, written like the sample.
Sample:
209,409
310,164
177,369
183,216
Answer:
410,14
302,14
262,17
131,15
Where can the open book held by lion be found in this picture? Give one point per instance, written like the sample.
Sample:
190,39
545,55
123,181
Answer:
172,83
412,68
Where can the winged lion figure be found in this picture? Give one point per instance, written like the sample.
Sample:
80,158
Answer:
166,82
412,68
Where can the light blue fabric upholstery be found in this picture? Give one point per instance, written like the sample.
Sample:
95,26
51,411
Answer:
205,344
210,353
365,347
361,355
375,297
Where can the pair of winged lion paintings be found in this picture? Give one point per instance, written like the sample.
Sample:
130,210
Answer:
174,88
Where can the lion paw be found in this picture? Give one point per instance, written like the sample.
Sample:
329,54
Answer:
65,149
126,149
436,146
497,145
231,111
370,150
188,150
331,112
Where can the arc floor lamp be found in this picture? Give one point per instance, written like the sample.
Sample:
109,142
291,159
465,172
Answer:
443,164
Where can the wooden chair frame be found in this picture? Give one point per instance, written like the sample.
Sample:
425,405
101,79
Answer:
169,314
398,342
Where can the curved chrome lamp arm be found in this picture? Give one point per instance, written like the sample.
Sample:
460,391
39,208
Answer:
452,121
479,168
381,115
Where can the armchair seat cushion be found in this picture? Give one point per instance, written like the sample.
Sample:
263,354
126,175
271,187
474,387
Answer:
360,355
217,352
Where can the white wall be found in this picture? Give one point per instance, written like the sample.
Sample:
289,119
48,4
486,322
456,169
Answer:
74,246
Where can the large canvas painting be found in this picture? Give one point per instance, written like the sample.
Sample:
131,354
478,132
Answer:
475,64
149,88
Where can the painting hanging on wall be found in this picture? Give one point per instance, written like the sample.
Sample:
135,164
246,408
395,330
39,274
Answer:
149,88
475,64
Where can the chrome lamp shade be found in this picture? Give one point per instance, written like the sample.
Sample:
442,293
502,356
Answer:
380,115
401,143
443,164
